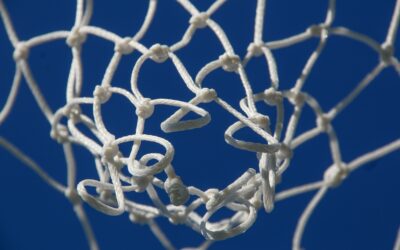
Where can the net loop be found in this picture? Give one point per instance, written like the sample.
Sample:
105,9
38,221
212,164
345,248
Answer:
139,168
235,225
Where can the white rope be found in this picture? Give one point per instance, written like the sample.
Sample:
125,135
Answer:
249,192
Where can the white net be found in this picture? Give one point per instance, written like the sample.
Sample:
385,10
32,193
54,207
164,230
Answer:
120,173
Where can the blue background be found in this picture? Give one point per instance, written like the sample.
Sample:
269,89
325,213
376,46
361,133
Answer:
363,213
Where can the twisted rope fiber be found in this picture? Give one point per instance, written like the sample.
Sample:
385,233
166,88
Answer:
246,195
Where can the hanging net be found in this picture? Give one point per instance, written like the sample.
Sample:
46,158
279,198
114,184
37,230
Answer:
123,173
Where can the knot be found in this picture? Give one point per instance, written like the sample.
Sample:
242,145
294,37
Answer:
123,46
318,30
73,112
273,97
386,53
284,152
215,200
255,49
159,53
199,20
256,201
261,120
178,217
110,152
75,38
176,190
229,63
142,182
208,194
207,95
72,195
296,98
101,93
139,218
145,108
21,51
59,133
323,122
334,175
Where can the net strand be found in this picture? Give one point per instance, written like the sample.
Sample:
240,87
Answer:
246,195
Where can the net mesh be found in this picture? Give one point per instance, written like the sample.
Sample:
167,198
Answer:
119,174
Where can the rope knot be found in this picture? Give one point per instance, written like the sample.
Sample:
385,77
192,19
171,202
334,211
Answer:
386,53
142,182
323,122
229,62
176,190
159,53
207,95
21,51
101,93
139,218
75,38
73,112
110,152
199,20
59,133
296,98
334,175
318,30
255,49
123,46
145,108
273,97
261,120
285,151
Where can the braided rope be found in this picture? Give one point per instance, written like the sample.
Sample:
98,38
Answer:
246,195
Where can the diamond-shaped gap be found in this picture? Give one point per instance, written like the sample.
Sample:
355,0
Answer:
287,18
371,18
28,129
370,121
30,20
96,55
162,81
50,65
290,62
309,159
127,17
119,116
169,24
238,27
202,49
338,70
